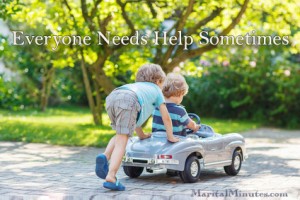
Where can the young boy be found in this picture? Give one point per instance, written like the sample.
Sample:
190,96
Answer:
128,107
174,88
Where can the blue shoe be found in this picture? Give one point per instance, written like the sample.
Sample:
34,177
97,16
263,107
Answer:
114,186
101,166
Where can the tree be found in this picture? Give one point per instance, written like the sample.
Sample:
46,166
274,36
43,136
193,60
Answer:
125,17
97,18
36,64
8,8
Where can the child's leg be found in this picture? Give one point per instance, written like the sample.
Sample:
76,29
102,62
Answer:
110,147
116,156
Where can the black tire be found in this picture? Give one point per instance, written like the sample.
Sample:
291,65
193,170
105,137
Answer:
235,167
133,172
190,175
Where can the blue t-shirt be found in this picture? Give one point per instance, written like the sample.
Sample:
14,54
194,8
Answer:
178,115
149,96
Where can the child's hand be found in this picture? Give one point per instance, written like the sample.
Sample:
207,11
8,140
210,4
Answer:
144,136
173,139
141,134
197,127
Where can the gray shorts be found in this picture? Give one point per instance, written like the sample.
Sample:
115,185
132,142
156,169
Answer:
122,107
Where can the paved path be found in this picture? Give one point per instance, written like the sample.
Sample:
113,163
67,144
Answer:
40,171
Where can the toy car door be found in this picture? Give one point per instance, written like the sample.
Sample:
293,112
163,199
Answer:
213,147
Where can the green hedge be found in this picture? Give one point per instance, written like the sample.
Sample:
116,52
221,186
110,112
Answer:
268,92
16,95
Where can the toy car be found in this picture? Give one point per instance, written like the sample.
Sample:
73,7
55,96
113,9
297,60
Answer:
194,152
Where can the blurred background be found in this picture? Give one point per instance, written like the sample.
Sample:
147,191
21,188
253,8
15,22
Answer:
58,97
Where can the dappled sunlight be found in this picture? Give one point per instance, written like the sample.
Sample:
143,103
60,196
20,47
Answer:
37,165
99,139
224,126
52,119
60,60
74,127
54,115
62,126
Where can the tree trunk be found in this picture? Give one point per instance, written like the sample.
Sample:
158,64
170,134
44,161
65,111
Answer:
89,94
98,101
46,87
103,81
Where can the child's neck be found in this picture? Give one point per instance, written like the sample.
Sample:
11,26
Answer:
171,100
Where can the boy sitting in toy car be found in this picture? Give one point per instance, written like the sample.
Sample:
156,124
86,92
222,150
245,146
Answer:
174,89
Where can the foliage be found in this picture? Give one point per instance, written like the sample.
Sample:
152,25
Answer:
68,88
17,95
73,126
259,84
8,8
108,66
29,66
86,18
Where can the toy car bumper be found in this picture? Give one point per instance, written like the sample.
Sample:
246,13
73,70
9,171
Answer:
148,161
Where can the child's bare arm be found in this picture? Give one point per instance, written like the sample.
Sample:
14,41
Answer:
193,126
139,131
167,122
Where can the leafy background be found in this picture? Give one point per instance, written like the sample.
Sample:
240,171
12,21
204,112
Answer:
259,83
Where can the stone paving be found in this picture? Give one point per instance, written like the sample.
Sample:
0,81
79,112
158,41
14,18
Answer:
41,171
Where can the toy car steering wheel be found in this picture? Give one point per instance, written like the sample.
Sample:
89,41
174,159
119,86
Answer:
196,119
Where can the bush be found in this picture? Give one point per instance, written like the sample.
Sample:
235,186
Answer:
67,87
17,95
260,90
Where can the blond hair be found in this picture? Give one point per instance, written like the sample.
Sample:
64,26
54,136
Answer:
150,73
175,85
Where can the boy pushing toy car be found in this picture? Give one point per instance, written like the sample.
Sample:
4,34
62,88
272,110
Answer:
128,107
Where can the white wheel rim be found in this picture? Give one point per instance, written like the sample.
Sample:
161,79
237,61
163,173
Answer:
194,168
237,162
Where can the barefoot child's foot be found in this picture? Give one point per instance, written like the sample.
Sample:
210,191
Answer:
101,166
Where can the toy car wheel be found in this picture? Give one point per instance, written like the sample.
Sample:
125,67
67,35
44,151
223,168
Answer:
133,172
191,171
236,164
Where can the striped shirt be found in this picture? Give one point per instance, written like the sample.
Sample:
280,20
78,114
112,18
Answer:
178,115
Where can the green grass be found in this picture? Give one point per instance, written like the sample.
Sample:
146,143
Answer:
224,126
73,126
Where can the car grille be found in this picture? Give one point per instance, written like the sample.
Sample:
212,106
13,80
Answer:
139,161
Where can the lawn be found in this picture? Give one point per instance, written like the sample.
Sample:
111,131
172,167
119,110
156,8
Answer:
73,126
